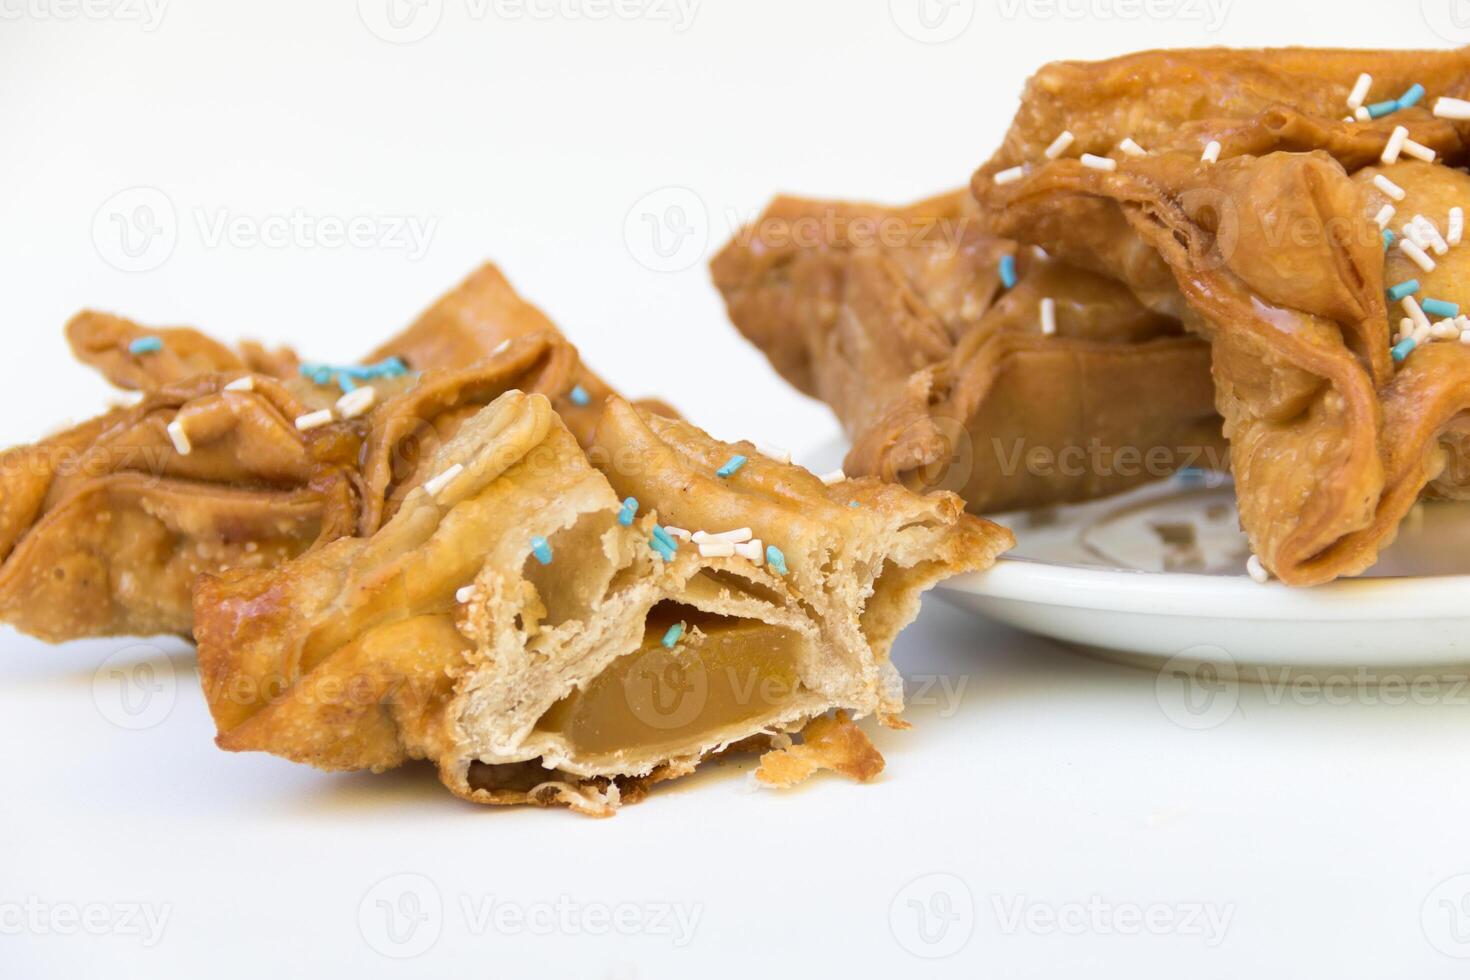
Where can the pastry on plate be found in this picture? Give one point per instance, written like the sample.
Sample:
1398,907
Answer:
1318,252
926,337
555,625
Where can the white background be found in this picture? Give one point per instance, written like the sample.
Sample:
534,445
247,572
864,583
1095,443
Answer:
1035,780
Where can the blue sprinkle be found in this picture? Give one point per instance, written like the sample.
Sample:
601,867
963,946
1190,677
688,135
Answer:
629,511
732,467
1008,271
852,503
1438,307
1411,97
665,538
541,550
391,367
1406,288
145,345
322,376
1380,109
1388,239
664,551
672,636
345,382
580,397
776,559
1403,349
1191,475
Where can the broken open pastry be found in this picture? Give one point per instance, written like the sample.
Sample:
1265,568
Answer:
536,619
924,334
247,458
1253,212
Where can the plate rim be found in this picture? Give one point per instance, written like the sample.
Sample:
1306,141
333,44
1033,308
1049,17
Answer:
1120,590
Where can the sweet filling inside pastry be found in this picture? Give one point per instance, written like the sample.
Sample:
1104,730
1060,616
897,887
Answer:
545,632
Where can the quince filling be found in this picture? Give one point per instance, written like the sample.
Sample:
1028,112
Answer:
719,672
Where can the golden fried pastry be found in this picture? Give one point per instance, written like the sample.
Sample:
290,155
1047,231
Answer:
537,621
1260,218
245,459
105,527
946,377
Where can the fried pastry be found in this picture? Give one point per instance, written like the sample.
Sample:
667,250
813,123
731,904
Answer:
944,374
1260,218
246,457
534,621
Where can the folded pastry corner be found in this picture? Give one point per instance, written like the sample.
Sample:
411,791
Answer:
537,620
935,357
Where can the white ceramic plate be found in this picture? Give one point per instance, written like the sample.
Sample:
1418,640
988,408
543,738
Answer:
1159,574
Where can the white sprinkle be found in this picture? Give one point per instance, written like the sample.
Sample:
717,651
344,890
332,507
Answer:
836,476
1385,215
678,532
501,347
1388,187
1406,329
735,537
717,549
1416,313
1131,148
772,452
436,486
1395,144
1361,114
1445,330
1359,94
246,383
357,401
1448,108
1431,233
1419,151
1465,336
1010,176
1420,257
752,550
465,594
1456,226
1421,335
1347,119
1257,571
1414,232
1049,316
1212,152
1099,163
180,438
1060,144
314,420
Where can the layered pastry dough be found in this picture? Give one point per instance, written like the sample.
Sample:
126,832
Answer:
520,621
105,527
943,377
1269,246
